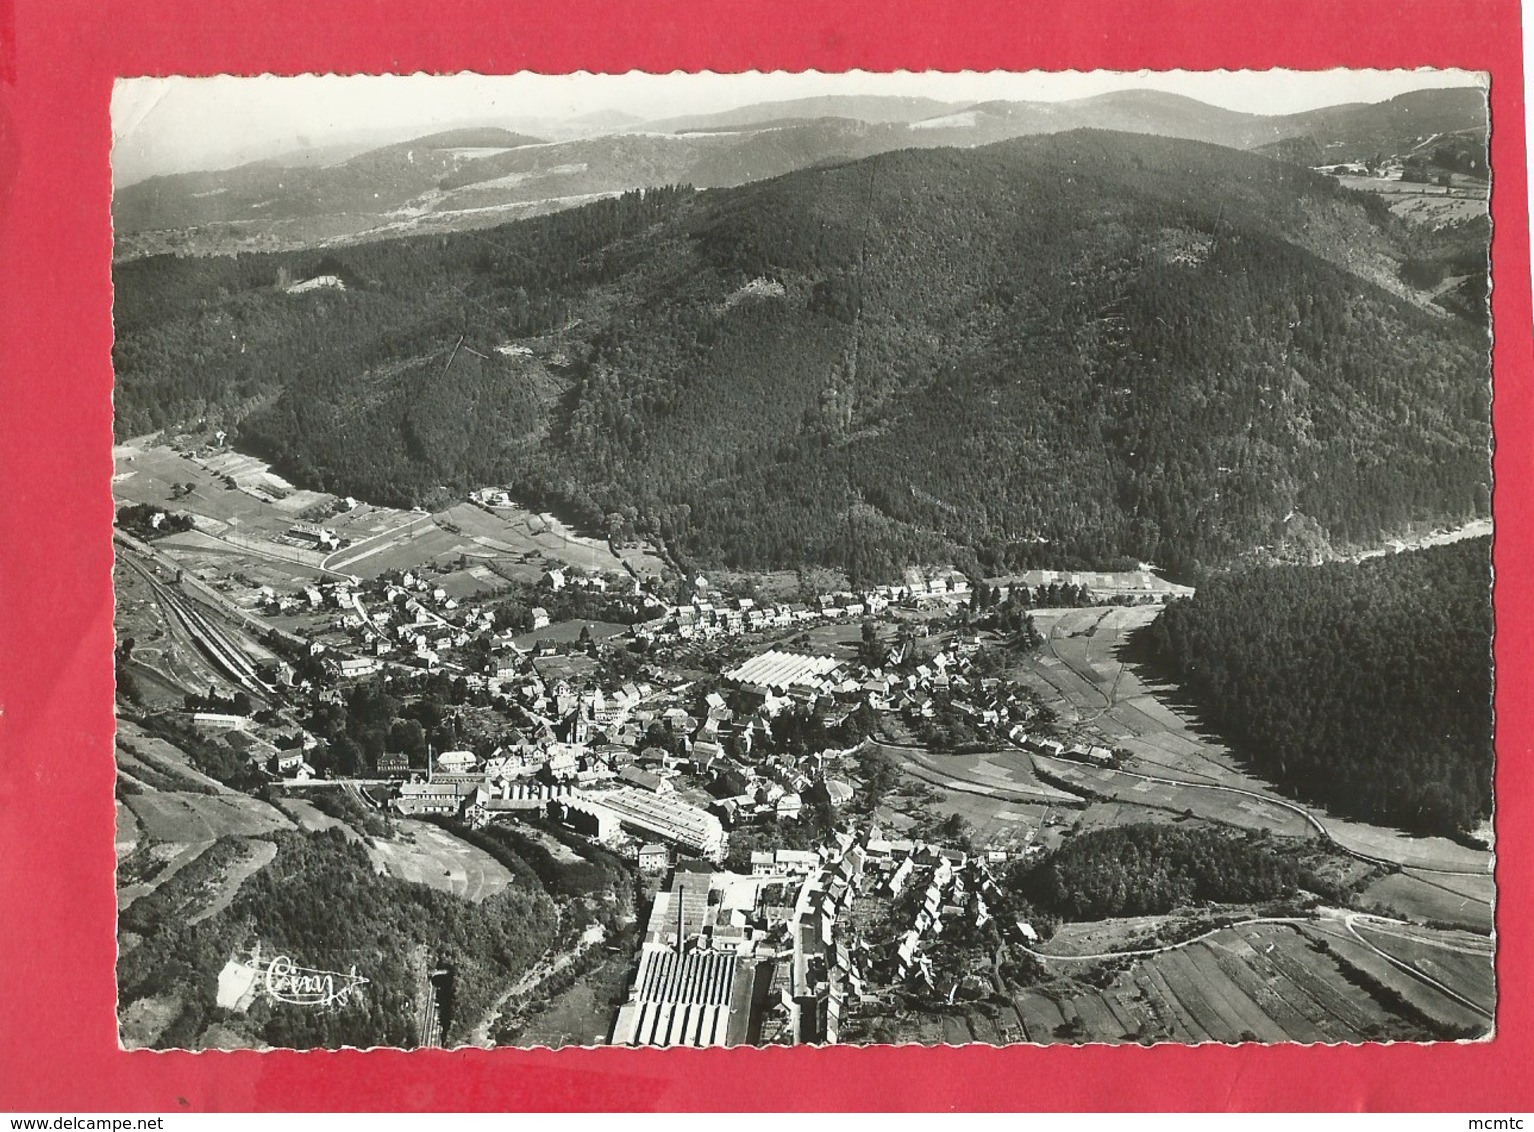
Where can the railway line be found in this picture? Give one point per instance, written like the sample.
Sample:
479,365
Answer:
227,656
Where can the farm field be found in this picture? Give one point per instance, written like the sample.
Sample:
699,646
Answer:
1105,815
128,831
138,751
431,856
567,632
1462,900
839,640
220,562
173,856
258,854
262,507
1231,809
311,819
528,530
1006,807
188,818
1357,946
999,824
1259,982
1001,774
174,829
1461,961
261,504
1086,679
1096,937
472,581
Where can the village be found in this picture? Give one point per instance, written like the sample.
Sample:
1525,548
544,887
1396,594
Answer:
717,742
777,813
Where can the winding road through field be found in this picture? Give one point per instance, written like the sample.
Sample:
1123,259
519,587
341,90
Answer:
1111,699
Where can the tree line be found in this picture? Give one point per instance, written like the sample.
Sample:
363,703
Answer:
1364,687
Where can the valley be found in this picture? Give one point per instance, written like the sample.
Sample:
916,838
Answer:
831,571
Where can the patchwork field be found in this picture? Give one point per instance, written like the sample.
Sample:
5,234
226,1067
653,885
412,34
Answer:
1215,805
1461,961
1435,897
1260,982
250,521
996,792
169,831
1453,997
1087,679
1254,983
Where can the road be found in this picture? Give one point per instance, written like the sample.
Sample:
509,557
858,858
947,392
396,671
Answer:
1111,699
1352,918
375,544
542,970
1348,919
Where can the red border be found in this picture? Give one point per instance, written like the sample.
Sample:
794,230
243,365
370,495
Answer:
57,61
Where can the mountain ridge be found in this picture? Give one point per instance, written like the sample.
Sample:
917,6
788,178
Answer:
1082,348
254,208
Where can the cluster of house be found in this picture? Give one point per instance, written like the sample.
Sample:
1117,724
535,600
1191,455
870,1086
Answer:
706,615
1053,748
823,971
410,619
417,621
1138,585
709,935
648,739
651,742
987,701
947,896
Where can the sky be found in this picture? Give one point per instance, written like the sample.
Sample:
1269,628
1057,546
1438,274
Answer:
170,125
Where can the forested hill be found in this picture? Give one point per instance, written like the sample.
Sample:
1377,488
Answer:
1072,348
1364,687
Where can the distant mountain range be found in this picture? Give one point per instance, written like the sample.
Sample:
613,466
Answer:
472,178
1362,131
1085,348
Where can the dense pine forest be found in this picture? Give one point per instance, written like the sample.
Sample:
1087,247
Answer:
1365,687
1066,350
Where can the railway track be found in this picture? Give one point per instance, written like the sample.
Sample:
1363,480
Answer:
227,656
